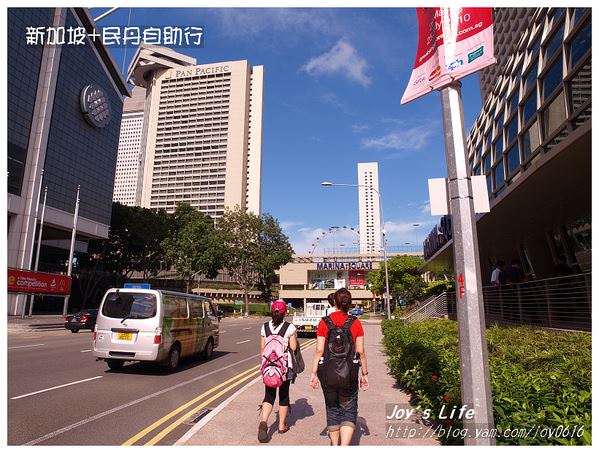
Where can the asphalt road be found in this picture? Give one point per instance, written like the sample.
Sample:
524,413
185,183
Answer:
58,394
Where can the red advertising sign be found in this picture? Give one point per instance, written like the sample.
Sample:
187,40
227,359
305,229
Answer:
20,281
357,278
452,43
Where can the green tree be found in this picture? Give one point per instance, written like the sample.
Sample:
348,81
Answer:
275,251
192,246
254,246
133,245
405,279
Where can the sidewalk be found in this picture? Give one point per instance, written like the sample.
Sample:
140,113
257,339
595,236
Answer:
35,323
237,422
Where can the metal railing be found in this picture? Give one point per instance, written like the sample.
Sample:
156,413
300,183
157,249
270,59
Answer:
560,303
433,307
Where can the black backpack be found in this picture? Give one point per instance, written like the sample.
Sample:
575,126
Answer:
338,368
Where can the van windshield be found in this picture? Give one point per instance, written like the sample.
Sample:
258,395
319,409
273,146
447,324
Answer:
129,305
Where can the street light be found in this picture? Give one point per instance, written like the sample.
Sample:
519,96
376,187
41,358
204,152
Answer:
383,234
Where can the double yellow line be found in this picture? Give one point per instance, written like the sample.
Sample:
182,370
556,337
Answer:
206,398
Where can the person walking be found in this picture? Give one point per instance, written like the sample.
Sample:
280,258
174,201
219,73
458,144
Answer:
498,277
277,338
336,365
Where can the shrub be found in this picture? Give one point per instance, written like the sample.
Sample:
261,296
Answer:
538,377
437,287
255,309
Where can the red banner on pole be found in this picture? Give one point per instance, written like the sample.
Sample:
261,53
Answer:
452,43
20,281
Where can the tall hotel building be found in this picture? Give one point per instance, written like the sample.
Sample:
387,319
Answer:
202,134
369,207
129,153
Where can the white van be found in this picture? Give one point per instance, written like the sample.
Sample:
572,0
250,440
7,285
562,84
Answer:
152,325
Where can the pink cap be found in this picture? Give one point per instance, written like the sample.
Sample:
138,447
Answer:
279,305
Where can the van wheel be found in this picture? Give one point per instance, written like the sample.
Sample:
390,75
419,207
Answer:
172,361
74,330
208,350
115,364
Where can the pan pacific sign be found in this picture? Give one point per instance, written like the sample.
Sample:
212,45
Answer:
198,71
357,265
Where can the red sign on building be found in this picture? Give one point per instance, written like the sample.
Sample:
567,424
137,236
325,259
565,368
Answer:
20,281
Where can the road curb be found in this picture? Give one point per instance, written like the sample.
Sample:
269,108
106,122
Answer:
189,434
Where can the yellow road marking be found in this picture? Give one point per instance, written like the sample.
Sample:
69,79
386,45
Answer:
185,416
171,414
239,378
181,419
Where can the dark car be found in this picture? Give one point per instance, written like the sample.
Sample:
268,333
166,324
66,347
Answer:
85,319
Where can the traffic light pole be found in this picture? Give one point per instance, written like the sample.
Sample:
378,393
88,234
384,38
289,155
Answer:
474,364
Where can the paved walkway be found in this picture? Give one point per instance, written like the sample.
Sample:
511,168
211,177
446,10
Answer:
35,323
237,422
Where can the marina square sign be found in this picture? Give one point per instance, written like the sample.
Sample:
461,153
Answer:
352,265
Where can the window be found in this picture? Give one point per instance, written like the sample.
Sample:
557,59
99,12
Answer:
512,130
578,13
487,163
529,108
196,309
580,44
531,77
175,307
552,79
498,149
514,103
132,305
555,43
499,176
530,140
579,88
554,115
513,159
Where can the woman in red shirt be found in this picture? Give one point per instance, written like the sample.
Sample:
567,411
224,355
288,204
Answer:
341,404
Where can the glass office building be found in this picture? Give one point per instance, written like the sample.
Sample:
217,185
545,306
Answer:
532,141
53,127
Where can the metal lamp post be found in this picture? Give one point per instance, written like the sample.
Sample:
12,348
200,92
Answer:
383,234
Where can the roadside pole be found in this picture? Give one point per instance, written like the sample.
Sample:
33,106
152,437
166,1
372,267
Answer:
39,245
71,252
474,364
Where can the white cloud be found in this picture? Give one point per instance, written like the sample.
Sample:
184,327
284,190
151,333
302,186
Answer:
289,224
341,59
357,128
333,99
250,23
426,208
413,138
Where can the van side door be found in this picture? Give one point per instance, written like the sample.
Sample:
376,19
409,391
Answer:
176,322
196,313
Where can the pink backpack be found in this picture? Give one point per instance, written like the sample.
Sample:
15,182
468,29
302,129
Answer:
274,357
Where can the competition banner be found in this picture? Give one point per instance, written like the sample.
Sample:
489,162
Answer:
21,281
452,43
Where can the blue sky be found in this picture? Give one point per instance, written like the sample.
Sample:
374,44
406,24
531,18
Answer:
333,82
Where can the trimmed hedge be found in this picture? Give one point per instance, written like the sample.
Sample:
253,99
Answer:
538,377
255,309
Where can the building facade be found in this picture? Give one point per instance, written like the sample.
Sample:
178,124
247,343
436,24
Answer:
369,207
312,278
129,152
202,135
532,141
508,25
64,112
